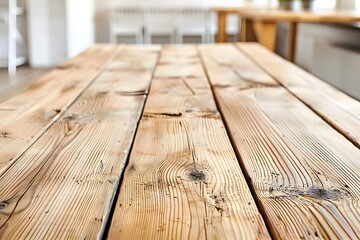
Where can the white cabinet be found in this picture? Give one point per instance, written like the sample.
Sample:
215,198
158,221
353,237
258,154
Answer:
58,30
10,35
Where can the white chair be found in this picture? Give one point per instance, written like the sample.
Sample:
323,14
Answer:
195,21
9,16
126,21
163,22
233,23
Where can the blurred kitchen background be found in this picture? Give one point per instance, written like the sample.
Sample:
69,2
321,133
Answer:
44,33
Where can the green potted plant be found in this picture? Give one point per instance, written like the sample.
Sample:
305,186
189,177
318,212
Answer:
307,4
286,4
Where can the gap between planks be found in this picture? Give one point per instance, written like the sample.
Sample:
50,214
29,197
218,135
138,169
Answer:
67,119
322,98
169,162
340,160
49,111
105,228
265,82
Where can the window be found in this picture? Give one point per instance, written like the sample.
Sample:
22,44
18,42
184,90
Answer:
324,4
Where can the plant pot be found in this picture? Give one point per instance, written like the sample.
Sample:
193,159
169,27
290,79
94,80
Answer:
286,5
307,5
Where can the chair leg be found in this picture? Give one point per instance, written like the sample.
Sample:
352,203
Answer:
113,38
12,38
179,36
204,38
147,37
138,38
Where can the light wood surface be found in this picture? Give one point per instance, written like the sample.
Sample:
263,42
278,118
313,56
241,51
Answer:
24,118
307,184
302,170
225,141
335,107
183,180
63,185
93,58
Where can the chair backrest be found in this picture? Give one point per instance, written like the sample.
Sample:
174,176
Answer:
194,18
161,19
127,17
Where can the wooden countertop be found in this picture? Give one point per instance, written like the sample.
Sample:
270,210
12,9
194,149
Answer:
179,142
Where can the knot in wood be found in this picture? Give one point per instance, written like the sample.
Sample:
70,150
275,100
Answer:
321,193
3,205
197,176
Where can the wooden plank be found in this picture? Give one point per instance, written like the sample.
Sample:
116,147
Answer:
190,70
304,173
230,67
183,180
25,117
335,107
93,58
63,186
131,56
188,55
181,97
125,81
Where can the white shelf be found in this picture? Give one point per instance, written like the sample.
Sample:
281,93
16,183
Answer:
9,16
19,61
5,11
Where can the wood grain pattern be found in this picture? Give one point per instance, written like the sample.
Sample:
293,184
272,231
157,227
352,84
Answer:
181,97
63,186
304,173
125,81
183,180
24,118
232,68
93,58
135,58
335,107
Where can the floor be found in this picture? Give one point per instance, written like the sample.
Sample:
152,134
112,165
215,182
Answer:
12,85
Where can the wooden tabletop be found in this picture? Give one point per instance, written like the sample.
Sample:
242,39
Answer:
334,16
179,142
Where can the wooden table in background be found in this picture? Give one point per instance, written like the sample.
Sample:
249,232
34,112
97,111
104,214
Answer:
260,24
264,24
222,12
91,151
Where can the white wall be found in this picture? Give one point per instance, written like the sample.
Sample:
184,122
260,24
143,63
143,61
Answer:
80,26
58,30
